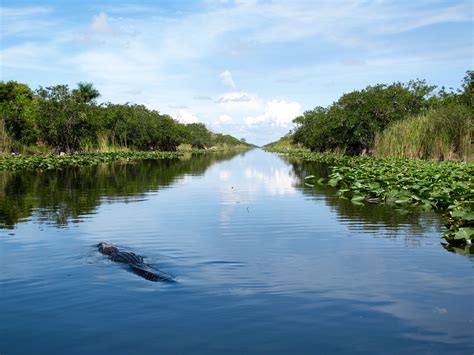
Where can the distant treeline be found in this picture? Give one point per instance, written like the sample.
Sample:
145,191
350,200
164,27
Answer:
58,118
405,120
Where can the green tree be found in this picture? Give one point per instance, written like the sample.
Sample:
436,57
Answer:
86,92
16,111
198,135
63,121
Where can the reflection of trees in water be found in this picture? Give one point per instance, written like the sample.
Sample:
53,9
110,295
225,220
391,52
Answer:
65,195
466,250
369,218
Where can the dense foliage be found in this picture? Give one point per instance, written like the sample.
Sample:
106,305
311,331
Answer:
351,124
68,120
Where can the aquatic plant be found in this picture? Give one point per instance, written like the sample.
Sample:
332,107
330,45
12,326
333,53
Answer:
50,162
405,184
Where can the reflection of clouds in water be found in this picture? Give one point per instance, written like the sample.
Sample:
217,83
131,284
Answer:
275,182
224,175
243,188
184,180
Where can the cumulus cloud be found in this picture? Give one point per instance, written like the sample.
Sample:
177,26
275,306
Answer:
186,116
100,24
227,80
277,113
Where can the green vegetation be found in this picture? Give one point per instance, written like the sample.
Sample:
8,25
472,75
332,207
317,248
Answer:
285,144
403,120
406,185
57,119
50,162
442,134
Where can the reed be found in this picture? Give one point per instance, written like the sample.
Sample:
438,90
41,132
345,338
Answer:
441,134
6,142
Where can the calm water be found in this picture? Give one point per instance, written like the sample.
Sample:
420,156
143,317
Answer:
264,264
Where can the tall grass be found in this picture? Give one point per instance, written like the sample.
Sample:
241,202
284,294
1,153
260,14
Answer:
105,144
285,144
441,134
6,142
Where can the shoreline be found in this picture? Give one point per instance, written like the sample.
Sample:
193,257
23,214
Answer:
18,162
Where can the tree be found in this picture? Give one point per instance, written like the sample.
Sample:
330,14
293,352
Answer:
63,121
86,92
468,88
16,111
198,135
352,122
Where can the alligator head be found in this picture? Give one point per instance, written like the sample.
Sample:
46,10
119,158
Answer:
107,249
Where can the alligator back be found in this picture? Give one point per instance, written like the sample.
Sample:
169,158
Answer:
127,257
150,273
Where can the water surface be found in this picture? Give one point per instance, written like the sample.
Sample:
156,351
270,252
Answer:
264,264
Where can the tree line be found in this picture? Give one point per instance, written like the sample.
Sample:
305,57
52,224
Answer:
71,120
356,121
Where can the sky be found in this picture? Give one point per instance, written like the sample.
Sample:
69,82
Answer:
245,68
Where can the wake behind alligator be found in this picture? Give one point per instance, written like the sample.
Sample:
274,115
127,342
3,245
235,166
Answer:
134,261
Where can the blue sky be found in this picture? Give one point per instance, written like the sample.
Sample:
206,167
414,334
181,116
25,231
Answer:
241,67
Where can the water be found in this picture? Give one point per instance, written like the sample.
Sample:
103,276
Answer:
264,264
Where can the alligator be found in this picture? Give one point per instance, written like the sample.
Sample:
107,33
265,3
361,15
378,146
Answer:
134,262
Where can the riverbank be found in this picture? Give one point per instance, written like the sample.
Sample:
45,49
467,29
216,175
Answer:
405,184
15,162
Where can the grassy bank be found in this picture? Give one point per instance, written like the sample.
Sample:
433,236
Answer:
285,144
441,134
405,184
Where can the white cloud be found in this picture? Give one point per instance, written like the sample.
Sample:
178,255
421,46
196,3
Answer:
224,119
23,11
104,64
100,24
202,98
227,80
239,100
27,56
186,116
277,113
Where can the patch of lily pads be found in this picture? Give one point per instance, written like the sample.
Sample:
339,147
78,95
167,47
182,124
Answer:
52,162
405,184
